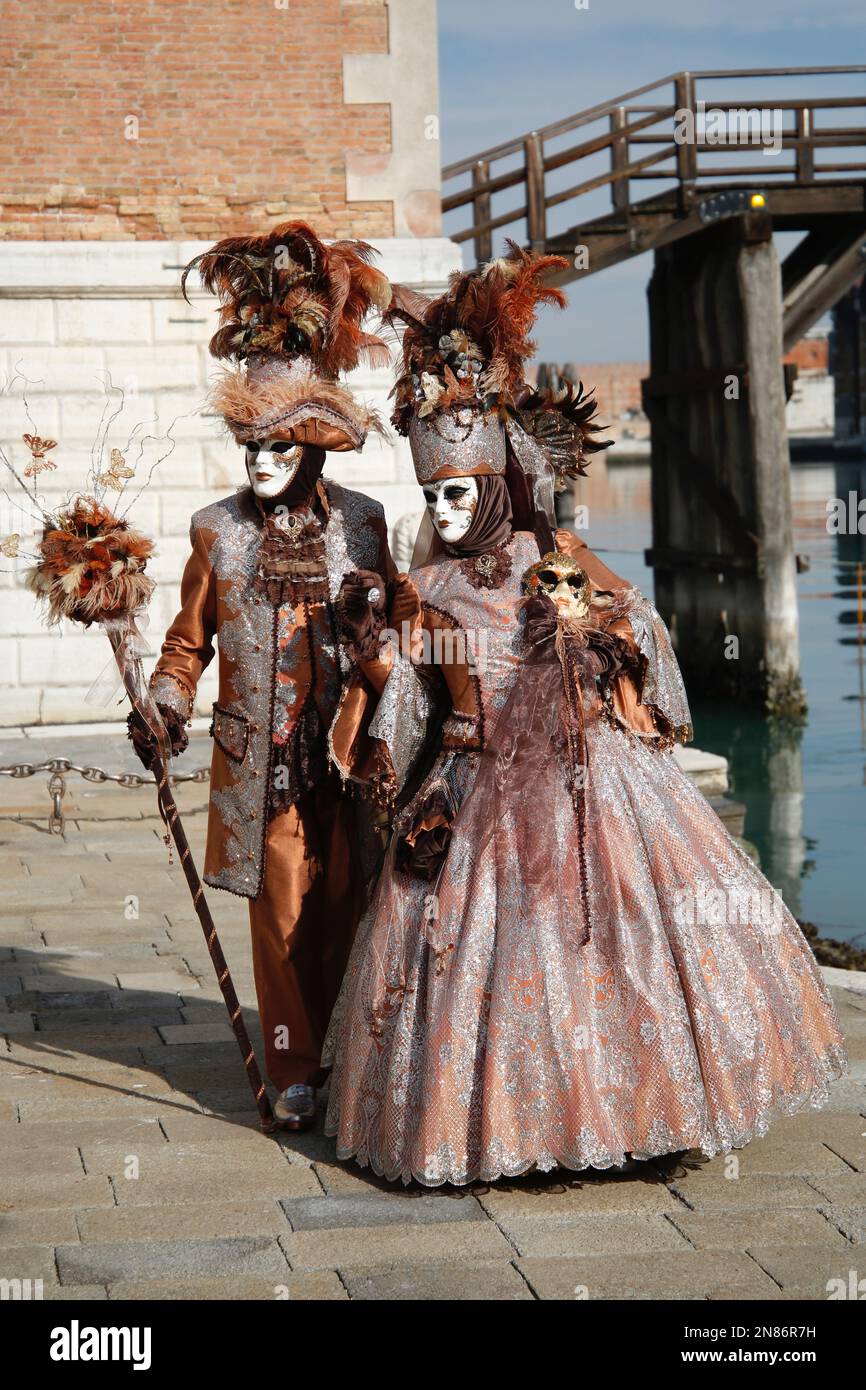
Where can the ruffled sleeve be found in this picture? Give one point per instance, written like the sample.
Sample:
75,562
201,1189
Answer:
653,703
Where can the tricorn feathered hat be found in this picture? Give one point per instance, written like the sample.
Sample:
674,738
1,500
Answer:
461,394
291,318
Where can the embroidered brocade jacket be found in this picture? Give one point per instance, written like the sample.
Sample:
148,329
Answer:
274,659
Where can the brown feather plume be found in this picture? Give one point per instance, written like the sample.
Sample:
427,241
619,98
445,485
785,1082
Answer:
564,422
288,294
473,341
244,405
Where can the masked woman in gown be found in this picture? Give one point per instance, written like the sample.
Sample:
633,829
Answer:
567,960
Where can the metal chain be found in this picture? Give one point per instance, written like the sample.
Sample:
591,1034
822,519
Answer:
58,767
97,774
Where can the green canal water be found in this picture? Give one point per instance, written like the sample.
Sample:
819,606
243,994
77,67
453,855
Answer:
804,791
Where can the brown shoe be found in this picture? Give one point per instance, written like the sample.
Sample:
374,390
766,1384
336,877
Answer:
296,1107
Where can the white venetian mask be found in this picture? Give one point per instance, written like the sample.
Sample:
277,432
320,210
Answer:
271,465
451,503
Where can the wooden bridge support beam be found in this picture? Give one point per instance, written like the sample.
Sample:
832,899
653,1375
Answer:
848,365
723,547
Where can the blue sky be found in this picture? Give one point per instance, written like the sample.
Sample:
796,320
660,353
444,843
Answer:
506,66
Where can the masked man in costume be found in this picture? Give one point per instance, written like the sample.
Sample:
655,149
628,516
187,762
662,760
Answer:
265,570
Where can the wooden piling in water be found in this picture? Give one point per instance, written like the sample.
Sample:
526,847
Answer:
723,550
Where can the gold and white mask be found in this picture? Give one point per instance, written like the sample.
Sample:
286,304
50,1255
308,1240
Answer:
560,579
271,465
451,503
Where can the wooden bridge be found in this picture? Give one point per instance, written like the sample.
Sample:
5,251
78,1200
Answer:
701,172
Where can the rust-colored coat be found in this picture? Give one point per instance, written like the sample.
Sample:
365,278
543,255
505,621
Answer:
273,660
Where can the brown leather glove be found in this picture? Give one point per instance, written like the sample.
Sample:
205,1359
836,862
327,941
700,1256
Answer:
422,850
143,741
361,607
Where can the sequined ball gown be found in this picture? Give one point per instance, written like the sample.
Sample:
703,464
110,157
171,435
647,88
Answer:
566,990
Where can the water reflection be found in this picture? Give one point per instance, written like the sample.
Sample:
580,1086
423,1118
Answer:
804,790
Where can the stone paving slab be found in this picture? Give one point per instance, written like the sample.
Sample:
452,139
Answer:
117,1068
128,1134
730,1231
395,1245
295,1181
609,1234
192,1221
709,1190
662,1275
113,1043
190,1034
348,1180
851,1222
851,1151
44,1227
102,1103
28,1262
808,1279
240,1130
65,1161
50,1192
777,1154
822,1126
178,1162
549,1202
100,1038
314,1286
847,1189
16,1024
139,1260
387,1209
469,1282
48,1091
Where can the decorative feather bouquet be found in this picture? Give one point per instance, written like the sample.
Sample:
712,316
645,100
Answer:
90,565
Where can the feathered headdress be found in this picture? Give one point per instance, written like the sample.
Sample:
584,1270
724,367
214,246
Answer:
292,311
287,293
469,347
463,369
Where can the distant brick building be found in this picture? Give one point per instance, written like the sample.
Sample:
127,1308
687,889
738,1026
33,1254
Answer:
617,387
133,134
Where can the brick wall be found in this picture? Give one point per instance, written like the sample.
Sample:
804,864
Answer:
240,111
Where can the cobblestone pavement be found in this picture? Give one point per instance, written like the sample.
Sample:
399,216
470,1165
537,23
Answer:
131,1165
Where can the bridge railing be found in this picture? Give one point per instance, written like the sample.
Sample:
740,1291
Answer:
663,132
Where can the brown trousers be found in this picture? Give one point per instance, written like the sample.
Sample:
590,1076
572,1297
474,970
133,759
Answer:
303,923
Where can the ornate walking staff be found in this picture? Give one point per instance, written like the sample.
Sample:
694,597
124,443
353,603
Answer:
171,816
90,568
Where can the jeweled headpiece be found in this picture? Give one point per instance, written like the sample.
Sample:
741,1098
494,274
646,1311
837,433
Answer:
291,317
